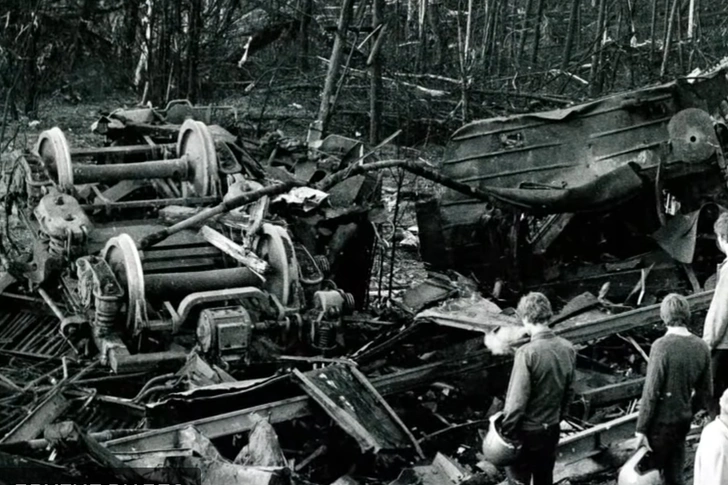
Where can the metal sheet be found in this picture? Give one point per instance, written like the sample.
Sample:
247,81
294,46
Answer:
357,407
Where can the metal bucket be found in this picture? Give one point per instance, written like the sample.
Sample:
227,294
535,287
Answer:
496,449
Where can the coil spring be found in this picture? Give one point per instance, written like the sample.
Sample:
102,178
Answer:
324,336
56,247
106,312
323,264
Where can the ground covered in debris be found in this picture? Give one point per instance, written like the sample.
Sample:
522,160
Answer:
402,395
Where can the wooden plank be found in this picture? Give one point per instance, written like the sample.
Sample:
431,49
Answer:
612,393
235,251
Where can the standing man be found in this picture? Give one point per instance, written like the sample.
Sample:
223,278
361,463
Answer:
538,394
716,322
679,364
711,458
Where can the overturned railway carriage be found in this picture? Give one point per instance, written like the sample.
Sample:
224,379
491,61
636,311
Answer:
601,178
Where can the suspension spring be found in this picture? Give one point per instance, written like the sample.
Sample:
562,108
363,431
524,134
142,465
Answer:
324,336
323,264
56,247
107,309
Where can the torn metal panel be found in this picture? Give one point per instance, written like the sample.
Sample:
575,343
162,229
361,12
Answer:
216,469
42,416
263,448
492,322
433,290
347,396
297,407
678,236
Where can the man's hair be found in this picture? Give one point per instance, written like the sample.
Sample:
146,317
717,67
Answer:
675,310
535,308
721,226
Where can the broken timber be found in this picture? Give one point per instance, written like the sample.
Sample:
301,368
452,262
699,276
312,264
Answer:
297,407
347,396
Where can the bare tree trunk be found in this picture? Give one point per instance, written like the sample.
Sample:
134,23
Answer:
678,39
537,31
375,72
668,38
435,21
196,28
487,32
513,45
597,56
411,9
569,44
422,15
524,30
131,23
691,18
466,63
653,29
501,33
337,53
304,32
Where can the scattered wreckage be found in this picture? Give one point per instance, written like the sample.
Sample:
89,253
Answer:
171,292
603,191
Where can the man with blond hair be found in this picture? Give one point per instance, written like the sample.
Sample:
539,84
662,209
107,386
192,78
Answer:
538,394
716,321
711,457
679,364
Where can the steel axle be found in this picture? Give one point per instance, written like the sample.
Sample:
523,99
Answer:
197,164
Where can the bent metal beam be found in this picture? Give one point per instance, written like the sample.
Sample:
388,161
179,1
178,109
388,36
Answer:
297,407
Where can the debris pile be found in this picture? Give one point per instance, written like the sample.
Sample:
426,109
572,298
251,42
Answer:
188,300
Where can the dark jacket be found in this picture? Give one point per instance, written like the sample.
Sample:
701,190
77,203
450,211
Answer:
678,365
541,382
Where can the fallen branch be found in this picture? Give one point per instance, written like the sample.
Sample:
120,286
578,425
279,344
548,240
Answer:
411,166
223,207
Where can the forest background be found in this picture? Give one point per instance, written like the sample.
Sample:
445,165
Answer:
358,67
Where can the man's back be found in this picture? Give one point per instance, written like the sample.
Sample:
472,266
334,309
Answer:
543,373
679,364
